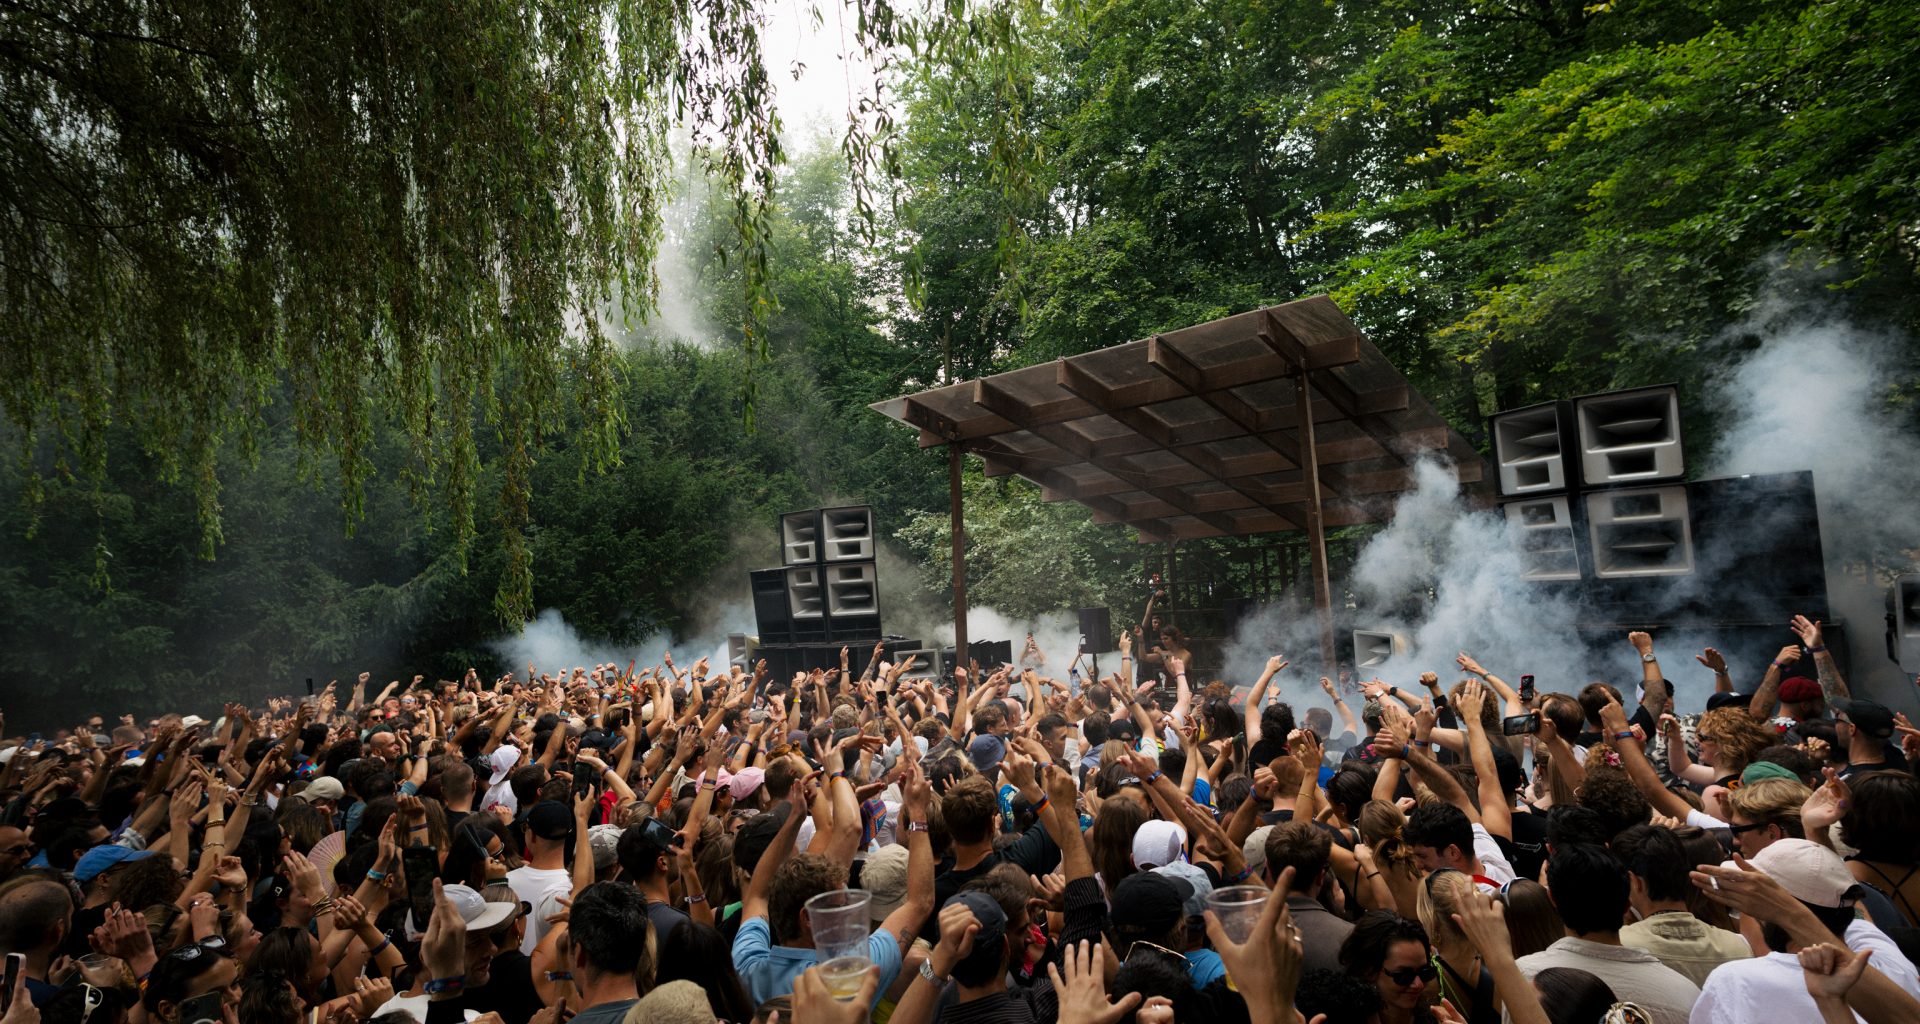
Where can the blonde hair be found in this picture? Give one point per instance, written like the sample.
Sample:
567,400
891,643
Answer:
1772,801
1439,898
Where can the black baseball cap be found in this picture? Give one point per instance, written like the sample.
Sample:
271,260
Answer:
550,819
1870,717
1149,901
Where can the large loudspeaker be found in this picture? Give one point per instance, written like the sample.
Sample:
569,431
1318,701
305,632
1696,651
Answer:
1096,629
1629,437
800,537
1758,552
990,653
1545,532
1903,621
1530,448
1373,648
846,534
853,600
771,615
807,603
1640,532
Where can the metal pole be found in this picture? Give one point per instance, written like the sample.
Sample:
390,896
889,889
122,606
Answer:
955,510
1316,528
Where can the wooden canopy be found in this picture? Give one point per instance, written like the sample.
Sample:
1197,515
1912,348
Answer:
1198,432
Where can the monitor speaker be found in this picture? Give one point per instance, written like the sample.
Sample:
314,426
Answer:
800,537
853,600
1629,437
771,615
1543,530
807,603
1530,447
924,663
1373,648
1640,532
740,648
1903,621
1096,629
846,534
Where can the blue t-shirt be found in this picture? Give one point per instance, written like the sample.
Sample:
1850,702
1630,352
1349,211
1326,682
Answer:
1205,967
768,970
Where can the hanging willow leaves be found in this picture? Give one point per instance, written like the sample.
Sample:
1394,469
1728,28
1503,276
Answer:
364,210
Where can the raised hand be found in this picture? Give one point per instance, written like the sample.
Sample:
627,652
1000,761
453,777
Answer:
1083,995
1275,664
1467,664
1831,971
1807,630
1788,655
1828,804
1713,660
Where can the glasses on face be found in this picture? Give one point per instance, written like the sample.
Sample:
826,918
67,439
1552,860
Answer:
1744,829
1406,976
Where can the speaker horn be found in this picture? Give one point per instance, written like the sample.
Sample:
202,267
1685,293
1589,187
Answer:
1630,437
1543,529
1530,448
800,537
1641,532
1373,648
846,534
1903,621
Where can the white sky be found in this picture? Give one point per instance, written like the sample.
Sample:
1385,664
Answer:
835,73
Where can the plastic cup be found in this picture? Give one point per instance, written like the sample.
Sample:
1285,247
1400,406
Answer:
1239,908
840,930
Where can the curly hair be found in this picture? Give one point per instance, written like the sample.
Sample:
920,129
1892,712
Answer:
1611,792
1741,739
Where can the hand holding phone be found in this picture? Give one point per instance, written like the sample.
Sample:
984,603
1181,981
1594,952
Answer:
16,970
1520,725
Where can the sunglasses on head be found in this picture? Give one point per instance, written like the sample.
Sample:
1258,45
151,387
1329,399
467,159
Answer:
1406,975
1154,949
192,950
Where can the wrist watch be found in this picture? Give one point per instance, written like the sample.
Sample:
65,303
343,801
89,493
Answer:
926,971
1648,657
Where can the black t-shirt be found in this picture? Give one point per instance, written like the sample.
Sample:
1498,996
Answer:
509,989
664,919
1034,852
1527,851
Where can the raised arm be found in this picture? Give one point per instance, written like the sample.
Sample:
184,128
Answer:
1767,697
905,921
1430,772
1717,664
1832,684
1183,693
1257,697
1496,809
1613,719
1346,713
1678,761
754,902
1509,697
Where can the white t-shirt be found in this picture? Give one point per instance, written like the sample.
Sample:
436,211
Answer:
1774,987
540,888
413,1006
1493,863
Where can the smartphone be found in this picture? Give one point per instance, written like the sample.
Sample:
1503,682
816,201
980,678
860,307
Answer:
1521,725
422,863
1526,688
309,686
16,969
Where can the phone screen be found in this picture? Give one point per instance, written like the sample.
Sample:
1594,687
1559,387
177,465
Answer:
16,963
1520,725
422,863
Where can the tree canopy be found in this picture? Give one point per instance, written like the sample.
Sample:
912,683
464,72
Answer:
270,268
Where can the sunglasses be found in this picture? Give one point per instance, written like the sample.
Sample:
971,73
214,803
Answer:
1406,975
1154,948
1742,829
192,950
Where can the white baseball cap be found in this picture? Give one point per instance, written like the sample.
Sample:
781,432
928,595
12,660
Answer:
476,911
1809,872
1158,843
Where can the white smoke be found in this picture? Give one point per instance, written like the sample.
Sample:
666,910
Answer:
1814,395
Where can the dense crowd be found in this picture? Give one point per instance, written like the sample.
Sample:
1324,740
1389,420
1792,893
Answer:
676,844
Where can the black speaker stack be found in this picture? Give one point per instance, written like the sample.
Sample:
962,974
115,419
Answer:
1594,491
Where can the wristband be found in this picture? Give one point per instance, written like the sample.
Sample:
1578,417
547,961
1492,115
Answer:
1038,804
1624,734
1822,649
451,984
1245,873
385,941
698,897
1157,773
916,826
376,875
